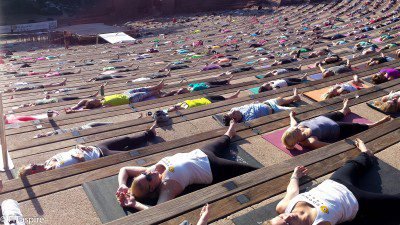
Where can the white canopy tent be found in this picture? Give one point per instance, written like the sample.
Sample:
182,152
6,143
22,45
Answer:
119,37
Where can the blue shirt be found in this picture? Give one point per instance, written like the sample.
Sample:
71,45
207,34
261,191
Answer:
252,111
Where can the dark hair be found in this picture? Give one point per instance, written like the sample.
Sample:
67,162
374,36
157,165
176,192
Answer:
262,89
90,104
226,119
378,79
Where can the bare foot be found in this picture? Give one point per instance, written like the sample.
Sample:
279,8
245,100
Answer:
153,128
231,132
236,94
304,77
346,109
64,82
361,146
296,95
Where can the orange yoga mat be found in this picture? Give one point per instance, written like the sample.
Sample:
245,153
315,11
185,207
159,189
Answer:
317,94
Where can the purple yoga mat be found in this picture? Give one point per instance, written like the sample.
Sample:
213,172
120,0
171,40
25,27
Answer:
317,76
275,137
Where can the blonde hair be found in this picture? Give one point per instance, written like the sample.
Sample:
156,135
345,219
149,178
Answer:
327,95
22,172
386,106
268,222
288,138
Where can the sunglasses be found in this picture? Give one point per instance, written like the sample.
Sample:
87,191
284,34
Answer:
148,177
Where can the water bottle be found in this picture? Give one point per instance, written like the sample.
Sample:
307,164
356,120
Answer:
12,213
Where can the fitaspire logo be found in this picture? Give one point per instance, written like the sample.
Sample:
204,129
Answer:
21,220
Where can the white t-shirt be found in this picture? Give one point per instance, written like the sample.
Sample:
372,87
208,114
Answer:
65,158
278,84
281,71
334,202
188,168
346,87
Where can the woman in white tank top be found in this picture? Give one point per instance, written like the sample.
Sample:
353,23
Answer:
171,175
83,153
335,200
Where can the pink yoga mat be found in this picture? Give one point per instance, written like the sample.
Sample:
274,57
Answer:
377,40
275,137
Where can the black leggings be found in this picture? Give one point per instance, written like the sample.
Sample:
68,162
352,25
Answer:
223,169
122,144
217,83
66,73
346,129
68,98
293,81
107,77
373,205
215,98
292,69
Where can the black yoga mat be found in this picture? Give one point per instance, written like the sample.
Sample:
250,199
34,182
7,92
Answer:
382,178
101,193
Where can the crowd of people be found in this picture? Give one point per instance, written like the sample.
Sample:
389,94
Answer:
282,62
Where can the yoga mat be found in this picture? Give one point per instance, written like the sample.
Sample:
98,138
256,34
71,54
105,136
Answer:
385,179
372,105
275,137
254,90
316,95
317,76
260,76
377,40
219,119
101,193
312,66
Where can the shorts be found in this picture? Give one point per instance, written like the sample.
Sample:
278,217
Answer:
275,106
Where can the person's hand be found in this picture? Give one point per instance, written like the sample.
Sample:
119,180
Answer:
122,190
204,215
128,201
299,172
79,156
85,148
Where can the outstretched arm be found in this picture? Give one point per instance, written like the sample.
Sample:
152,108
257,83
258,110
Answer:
293,188
293,121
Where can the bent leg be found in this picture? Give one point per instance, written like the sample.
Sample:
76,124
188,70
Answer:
219,147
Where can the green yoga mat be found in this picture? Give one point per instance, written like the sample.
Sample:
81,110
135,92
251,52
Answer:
254,90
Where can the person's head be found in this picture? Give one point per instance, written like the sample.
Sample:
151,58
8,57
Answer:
379,78
332,92
388,106
291,137
265,87
92,104
145,184
235,115
31,169
288,218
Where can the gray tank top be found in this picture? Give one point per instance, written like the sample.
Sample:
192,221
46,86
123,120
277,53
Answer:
323,128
